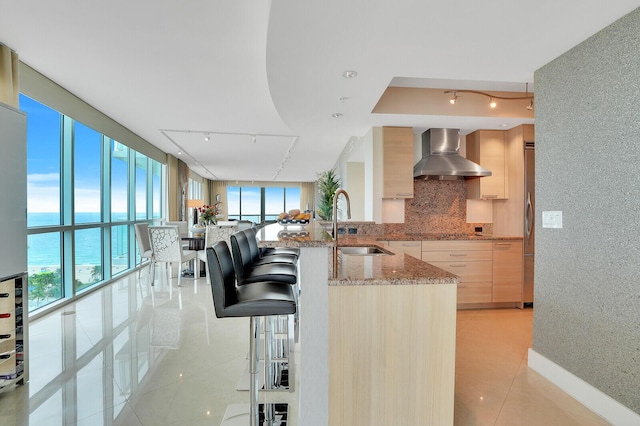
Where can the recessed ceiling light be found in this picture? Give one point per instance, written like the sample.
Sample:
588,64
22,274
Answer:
336,115
505,125
349,74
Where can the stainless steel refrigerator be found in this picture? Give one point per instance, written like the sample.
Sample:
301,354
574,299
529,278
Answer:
529,219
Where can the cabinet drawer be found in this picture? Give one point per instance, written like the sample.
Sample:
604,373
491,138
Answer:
413,248
456,255
468,271
412,245
456,245
474,292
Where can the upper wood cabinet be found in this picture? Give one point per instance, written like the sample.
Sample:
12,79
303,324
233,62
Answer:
397,154
487,148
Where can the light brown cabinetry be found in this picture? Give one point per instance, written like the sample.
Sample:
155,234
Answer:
507,271
472,261
397,152
487,148
392,355
489,271
413,248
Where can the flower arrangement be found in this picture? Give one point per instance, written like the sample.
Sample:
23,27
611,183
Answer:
208,214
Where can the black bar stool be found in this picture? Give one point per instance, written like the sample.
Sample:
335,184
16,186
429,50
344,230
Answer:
286,273
258,258
264,298
248,272
268,251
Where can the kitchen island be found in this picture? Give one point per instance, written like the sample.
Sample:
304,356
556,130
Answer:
377,343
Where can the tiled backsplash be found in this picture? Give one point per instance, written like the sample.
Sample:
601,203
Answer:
436,207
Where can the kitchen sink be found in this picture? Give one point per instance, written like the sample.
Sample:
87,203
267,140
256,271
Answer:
363,251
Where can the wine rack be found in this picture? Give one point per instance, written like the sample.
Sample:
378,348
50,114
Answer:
13,332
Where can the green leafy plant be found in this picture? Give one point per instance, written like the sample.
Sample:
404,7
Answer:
328,183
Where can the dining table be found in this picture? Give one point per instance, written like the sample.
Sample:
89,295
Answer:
195,242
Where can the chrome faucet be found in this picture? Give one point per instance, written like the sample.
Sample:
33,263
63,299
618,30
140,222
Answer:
335,226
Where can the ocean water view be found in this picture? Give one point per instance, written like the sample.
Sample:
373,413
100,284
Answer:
43,250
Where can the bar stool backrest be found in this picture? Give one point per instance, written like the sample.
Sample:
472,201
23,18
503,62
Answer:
252,242
222,276
241,255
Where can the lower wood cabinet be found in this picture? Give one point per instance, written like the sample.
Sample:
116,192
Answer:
392,355
413,248
489,271
472,261
507,271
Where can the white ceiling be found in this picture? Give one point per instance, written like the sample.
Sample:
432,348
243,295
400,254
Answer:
173,71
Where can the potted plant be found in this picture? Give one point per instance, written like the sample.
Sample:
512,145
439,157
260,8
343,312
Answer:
328,183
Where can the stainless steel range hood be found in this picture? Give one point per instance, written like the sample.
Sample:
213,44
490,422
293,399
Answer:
441,159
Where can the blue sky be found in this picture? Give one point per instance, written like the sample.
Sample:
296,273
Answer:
43,164
43,171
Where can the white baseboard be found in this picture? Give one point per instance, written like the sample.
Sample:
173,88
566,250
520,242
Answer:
589,396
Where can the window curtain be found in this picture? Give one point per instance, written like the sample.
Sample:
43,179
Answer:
206,192
308,196
9,84
219,187
172,187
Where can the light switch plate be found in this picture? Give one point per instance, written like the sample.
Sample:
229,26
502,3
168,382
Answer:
552,219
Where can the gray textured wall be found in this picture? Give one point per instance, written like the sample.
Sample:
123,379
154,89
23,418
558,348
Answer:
587,296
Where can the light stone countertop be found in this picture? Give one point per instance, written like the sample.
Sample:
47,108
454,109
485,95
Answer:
395,268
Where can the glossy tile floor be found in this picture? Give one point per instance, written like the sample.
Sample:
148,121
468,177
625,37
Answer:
131,354
494,386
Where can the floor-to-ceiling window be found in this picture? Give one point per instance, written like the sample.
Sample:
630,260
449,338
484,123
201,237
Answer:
85,192
259,204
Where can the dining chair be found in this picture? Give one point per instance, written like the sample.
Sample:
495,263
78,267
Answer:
144,244
213,234
183,228
167,248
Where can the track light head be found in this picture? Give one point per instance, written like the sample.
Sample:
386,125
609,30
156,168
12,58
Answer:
453,99
492,103
530,106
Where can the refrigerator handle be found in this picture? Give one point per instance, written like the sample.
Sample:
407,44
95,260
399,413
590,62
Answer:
529,216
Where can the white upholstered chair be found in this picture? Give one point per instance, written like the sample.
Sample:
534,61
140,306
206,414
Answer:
167,247
183,228
213,234
144,244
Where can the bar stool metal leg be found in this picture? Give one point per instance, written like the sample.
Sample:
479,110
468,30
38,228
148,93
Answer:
269,378
254,371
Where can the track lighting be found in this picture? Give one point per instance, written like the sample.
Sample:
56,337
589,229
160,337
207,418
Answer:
492,97
207,137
